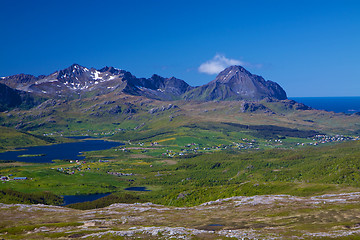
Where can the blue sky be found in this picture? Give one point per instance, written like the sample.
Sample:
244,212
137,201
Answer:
311,48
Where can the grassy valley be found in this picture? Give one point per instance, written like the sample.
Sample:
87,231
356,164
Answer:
185,154
196,177
290,180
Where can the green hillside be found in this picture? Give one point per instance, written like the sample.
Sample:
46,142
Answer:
10,138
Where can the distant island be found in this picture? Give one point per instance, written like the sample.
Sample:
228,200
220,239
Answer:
31,155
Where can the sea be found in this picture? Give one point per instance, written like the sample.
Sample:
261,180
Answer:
347,105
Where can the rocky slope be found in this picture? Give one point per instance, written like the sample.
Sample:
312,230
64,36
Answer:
236,83
78,81
332,216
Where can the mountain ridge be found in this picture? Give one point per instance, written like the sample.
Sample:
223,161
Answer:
77,81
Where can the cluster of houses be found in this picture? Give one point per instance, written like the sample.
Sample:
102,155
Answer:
89,133
194,148
120,174
8,178
189,148
79,167
321,139
68,170
336,138
252,144
72,170
246,144
122,149
274,141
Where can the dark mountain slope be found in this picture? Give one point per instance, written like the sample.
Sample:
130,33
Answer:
161,88
12,98
8,97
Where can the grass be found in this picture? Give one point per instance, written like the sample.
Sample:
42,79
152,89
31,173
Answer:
196,178
10,138
21,229
186,156
48,178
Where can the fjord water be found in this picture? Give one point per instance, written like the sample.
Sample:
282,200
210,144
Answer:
335,104
58,151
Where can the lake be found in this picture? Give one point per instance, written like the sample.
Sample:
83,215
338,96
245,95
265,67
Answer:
70,199
45,154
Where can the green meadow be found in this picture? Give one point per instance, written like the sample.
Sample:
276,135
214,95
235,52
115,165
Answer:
195,177
183,156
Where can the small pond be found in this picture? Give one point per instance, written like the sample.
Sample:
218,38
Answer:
70,199
45,154
141,189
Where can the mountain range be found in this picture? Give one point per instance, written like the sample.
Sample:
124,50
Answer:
109,101
233,83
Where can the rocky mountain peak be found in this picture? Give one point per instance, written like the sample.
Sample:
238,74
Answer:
74,70
232,73
111,70
237,83
75,67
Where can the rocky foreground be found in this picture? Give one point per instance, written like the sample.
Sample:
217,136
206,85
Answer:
256,217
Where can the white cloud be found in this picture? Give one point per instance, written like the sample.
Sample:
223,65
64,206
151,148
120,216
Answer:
217,64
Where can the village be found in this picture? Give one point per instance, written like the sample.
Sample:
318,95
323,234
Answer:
187,150
87,134
246,144
81,166
323,139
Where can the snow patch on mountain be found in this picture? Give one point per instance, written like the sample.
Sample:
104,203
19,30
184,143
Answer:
96,75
